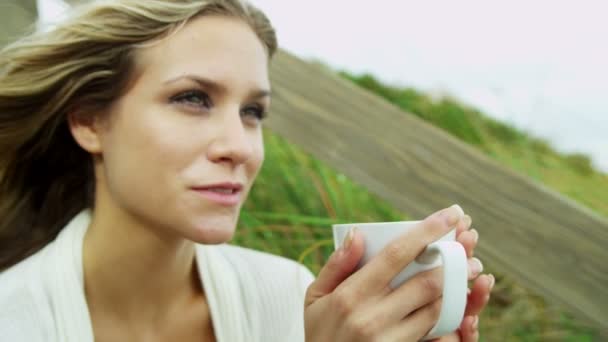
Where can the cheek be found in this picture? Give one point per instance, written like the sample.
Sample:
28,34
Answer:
145,149
257,158
139,160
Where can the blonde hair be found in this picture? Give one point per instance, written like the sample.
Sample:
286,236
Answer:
82,64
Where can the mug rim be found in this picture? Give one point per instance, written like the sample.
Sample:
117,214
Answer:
368,224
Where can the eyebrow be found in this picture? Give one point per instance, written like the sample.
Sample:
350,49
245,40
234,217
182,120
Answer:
215,86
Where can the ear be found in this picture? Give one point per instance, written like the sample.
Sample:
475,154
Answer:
86,130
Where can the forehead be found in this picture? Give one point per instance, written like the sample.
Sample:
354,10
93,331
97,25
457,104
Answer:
218,47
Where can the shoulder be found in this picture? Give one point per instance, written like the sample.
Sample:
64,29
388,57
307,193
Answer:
22,301
17,283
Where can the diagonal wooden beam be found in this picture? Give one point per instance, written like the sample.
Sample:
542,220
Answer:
548,243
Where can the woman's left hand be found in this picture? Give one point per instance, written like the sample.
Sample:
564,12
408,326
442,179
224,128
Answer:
480,291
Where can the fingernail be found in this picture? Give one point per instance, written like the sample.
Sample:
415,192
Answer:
475,234
453,214
475,324
467,220
348,241
476,267
492,282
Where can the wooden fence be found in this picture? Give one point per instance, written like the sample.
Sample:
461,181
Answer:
543,240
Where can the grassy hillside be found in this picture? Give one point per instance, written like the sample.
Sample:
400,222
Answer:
571,174
296,199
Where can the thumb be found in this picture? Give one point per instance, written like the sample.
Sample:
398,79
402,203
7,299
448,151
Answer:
340,265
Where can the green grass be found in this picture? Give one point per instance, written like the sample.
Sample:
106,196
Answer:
570,174
297,198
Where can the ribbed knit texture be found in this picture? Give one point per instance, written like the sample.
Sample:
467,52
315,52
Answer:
253,296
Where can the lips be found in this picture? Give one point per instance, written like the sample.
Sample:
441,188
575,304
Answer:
222,190
225,194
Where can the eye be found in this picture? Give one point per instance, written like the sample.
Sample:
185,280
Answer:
193,98
254,111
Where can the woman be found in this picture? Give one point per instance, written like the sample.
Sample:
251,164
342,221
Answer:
130,135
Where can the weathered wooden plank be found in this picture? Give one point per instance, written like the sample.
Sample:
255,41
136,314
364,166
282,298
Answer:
547,242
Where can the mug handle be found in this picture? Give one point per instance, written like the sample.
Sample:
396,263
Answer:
454,287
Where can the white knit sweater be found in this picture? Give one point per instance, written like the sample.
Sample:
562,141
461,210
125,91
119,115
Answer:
253,296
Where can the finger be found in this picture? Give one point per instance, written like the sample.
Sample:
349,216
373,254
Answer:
466,333
464,224
417,325
475,267
393,258
474,337
468,240
468,329
341,264
480,294
419,291
453,337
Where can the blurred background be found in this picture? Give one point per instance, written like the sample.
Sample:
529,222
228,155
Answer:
523,82
537,65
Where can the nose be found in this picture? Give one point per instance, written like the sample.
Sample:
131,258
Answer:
232,143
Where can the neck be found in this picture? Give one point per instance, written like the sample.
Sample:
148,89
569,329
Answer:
136,272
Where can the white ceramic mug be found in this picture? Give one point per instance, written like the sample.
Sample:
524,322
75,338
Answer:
444,252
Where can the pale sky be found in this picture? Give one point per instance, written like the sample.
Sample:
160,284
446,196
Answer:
541,65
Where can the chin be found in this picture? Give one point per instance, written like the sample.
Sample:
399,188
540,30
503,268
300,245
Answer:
211,233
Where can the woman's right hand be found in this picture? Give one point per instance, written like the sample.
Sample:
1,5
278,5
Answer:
342,305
